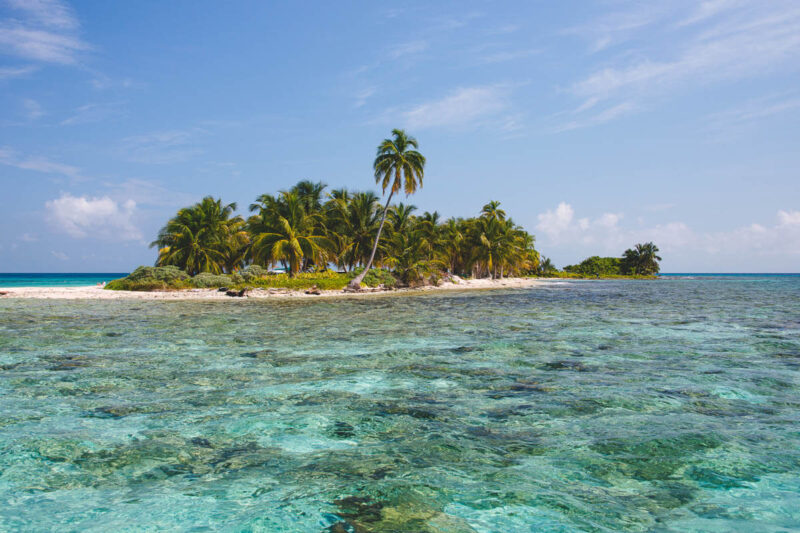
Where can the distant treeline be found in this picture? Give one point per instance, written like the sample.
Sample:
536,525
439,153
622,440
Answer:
641,260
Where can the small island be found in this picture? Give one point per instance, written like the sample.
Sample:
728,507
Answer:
315,240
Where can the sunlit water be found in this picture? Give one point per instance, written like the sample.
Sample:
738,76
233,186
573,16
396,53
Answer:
669,405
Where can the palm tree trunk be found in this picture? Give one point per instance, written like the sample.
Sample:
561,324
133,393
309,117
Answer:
356,281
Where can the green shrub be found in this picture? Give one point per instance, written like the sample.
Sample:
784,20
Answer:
254,272
206,280
375,277
147,278
327,281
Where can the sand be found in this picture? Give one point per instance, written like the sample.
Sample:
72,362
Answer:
98,293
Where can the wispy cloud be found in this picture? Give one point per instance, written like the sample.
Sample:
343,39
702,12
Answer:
721,41
508,55
46,31
15,72
162,147
363,95
462,107
754,110
409,48
94,112
32,108
601,117
9,157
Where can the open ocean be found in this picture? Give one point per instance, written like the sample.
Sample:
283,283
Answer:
668,405
56,280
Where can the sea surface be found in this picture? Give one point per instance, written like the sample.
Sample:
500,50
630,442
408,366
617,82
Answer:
666,405
56,280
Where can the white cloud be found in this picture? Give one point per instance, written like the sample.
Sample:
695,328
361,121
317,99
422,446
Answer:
465,106
82,216
46,32
38,164
61,256
789,218
555,222
559,229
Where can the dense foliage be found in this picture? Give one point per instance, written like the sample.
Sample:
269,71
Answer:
308,228
641,260
171,278
597,266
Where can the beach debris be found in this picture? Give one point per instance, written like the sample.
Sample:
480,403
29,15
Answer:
223,289
237,294
314,290
3,293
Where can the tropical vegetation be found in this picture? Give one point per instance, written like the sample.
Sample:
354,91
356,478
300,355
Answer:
641,260
310,235
309,229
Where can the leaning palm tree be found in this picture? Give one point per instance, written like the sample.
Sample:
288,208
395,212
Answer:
396,166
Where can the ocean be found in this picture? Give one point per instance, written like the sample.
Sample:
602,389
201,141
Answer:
56,280
667,405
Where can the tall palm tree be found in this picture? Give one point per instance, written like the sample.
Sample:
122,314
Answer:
397,166
197,238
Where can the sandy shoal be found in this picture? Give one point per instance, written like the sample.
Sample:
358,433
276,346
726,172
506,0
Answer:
98,293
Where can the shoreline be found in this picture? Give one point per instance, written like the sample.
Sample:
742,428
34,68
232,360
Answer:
99,293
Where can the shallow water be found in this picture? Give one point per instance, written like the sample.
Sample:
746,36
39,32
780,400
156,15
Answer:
669,405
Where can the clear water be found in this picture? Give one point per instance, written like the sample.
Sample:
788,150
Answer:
669,405
56,280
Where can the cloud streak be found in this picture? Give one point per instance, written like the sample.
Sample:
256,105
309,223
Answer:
46,31
719,41
468,106
9,157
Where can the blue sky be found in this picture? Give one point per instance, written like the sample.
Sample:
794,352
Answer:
597,125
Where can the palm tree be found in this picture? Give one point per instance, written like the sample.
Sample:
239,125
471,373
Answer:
352,221
197,238
310,195
284,232
642,259
492,210
396,166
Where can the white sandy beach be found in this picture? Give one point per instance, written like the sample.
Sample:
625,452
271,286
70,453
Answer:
98,293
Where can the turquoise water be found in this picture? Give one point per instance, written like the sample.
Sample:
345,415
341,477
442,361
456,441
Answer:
55,280
669,405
